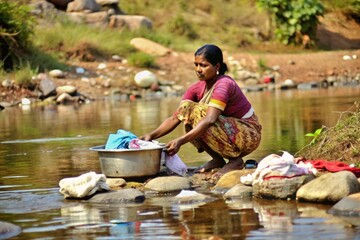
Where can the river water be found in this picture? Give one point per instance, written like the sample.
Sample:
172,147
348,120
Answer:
41,145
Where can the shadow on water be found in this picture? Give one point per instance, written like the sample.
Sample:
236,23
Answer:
39,146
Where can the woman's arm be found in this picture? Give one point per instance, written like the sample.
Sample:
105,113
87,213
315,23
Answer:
212,115
165,127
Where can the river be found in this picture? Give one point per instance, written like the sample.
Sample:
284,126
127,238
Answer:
41,145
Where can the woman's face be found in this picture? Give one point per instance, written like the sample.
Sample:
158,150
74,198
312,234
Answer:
205,71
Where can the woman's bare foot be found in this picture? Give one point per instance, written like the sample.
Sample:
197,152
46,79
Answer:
210,165
233,164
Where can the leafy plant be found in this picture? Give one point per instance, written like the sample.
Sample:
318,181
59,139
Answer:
16,28
314,135
293,19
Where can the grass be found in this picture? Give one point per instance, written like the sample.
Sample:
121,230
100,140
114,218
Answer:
340,142
24,75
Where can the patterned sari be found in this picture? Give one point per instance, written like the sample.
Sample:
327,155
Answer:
230,137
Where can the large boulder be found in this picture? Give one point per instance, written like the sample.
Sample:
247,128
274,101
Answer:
131,22
168,184
280,188
348,206
83,6
98,19
330,187
149,47
119,196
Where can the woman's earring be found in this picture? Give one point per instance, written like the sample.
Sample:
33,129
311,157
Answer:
217,72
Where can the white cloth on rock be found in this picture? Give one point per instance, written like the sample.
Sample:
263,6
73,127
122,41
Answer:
278,166
84,185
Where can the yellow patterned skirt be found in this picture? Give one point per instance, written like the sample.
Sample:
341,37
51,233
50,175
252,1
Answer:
230,137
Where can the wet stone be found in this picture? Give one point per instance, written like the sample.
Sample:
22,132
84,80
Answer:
119,196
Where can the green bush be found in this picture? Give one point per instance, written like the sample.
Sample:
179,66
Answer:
293,19
16,28
140,59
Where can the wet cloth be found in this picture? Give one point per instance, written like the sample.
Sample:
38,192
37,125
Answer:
333,166
120,140
230,137
85,185
275,166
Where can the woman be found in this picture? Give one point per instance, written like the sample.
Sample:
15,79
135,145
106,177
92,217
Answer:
217,116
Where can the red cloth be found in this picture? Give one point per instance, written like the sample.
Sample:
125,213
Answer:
333,166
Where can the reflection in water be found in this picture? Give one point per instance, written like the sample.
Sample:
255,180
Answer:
39,146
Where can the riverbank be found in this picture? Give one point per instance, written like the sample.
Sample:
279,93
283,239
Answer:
99,79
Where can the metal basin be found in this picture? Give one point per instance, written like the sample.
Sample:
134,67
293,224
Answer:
129,162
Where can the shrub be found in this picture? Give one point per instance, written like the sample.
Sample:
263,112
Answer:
15,32
293,19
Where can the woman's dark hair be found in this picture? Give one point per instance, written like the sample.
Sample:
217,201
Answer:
214,55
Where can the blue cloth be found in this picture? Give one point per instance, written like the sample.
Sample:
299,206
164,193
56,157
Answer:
120,140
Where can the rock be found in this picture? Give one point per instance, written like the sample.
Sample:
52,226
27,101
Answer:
229,179
98,19
8,230
71,90
47,87
280,188
107,2
131,22
119,196
149,47
168,184
56,73
348,206
330,187
239,191
65,97
190,199
7,83
145,79
309,85
102,66
83,5
115,182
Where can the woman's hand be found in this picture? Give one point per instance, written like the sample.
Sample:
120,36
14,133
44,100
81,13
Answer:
146,137
173,146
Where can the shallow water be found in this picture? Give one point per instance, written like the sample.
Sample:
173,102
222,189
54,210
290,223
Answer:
39,146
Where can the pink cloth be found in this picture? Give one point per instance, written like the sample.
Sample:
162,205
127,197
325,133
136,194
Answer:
333,166
226,91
